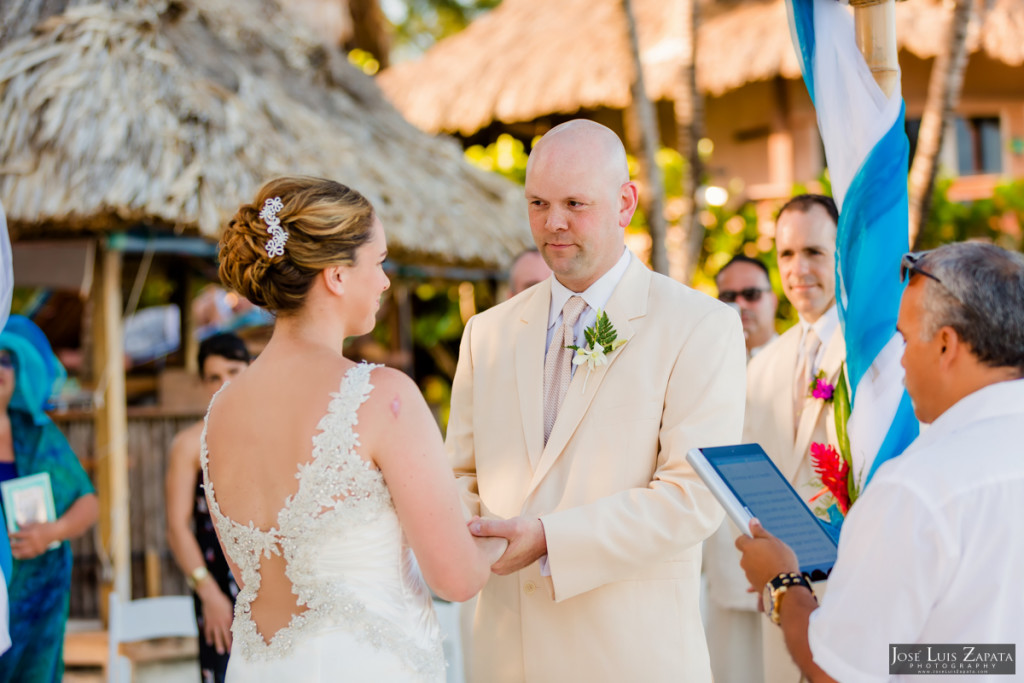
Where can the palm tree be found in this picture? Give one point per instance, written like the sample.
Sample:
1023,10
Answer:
689,113
644,125
943,94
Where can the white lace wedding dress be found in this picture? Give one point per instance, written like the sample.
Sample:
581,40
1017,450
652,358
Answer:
369,615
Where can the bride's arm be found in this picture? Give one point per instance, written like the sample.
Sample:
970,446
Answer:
404,441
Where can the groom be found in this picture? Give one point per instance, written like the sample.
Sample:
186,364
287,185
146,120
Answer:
583,468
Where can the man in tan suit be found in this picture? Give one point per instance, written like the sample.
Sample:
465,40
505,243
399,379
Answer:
589,481
781,415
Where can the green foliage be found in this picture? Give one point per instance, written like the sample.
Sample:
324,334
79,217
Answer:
364,61
999,218
506,156
421,23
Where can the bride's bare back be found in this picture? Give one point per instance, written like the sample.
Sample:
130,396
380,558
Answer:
260,433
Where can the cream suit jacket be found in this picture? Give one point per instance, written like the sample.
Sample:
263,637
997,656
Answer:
623,512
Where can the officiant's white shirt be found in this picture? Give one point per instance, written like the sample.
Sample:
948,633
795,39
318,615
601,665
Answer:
932,552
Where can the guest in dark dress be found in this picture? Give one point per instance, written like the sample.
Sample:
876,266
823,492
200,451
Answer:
190,532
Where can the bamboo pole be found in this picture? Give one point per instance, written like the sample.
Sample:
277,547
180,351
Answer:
875,27
111,426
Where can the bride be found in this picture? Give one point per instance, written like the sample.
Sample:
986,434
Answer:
324,477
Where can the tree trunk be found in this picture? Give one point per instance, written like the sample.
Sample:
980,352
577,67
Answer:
369,30
689,113
645,126
943,94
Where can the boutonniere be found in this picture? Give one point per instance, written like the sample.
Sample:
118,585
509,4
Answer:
602,340
820,388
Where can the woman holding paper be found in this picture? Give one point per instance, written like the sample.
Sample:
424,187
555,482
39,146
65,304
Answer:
31,444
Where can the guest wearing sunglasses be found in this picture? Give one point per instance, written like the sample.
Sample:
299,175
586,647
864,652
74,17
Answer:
744,283
731,622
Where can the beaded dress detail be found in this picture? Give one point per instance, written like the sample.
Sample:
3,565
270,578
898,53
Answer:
348,563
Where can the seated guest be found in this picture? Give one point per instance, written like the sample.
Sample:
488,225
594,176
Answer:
744,282
931,552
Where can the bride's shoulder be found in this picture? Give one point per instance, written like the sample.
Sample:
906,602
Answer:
390,382
394,398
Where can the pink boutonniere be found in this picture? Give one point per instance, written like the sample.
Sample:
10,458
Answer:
820,388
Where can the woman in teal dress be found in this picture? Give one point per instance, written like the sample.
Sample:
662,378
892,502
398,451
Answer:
30,443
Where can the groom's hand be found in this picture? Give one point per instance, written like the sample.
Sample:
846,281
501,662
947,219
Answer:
526,541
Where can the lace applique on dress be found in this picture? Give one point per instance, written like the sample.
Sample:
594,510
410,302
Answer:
337,492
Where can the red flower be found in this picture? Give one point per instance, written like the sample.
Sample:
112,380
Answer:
834,472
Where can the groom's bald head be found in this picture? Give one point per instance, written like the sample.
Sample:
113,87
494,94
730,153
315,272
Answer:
586,143
580,200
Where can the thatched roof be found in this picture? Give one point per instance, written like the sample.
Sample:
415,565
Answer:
531,58
169,113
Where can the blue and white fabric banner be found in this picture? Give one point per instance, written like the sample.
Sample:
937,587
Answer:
867,152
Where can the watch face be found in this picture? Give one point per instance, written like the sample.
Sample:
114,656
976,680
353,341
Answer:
766,600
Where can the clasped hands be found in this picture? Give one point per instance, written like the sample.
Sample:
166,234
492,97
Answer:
526,541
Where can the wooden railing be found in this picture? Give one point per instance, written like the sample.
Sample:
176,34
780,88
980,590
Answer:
150,432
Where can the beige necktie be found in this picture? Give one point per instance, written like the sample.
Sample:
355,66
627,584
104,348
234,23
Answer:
804,375
558,362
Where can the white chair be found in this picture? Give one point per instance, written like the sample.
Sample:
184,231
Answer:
145,619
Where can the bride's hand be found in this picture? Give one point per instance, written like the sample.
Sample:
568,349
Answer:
492,547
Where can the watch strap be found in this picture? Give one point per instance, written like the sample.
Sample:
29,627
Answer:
780,585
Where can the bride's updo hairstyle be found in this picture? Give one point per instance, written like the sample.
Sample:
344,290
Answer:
296,227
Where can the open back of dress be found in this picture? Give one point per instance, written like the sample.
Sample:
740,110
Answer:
364,611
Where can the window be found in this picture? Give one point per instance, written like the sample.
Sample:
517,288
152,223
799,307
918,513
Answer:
979,146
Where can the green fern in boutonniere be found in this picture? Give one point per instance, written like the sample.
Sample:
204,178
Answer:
602,340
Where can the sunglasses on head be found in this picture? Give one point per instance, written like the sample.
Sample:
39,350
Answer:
911,264
751,294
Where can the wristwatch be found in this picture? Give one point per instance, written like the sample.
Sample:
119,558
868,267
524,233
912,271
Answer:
777,587
197,576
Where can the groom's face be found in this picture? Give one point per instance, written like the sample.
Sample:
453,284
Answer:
576,208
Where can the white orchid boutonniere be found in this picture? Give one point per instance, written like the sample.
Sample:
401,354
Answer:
601,341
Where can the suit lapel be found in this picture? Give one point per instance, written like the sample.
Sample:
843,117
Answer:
784,378
531,336
627,303
831,362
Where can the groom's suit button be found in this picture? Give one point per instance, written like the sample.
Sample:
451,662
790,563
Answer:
529,587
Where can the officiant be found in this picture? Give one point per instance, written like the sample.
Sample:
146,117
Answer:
931,551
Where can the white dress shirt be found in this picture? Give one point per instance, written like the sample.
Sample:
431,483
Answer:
596,297
932,552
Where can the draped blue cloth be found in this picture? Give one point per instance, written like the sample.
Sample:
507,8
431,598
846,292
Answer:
867,151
